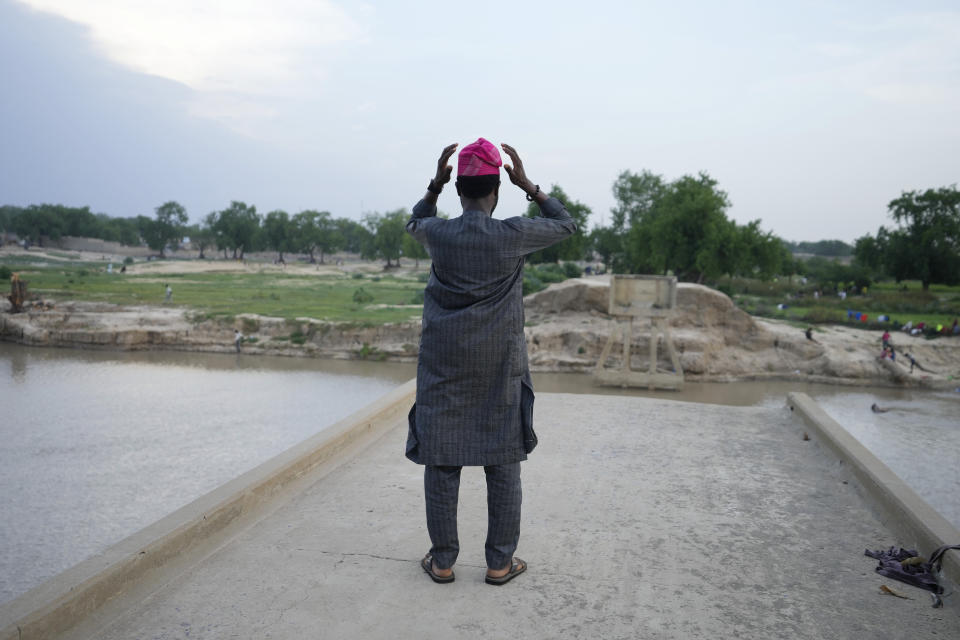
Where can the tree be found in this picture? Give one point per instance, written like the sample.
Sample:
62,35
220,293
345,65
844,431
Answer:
607,243
413,249
212,222
759,254
37,221
278,232
388,231
636,195
167,228
356,238
930,235
572,248
202,237
681,227
237,226
316,230
868,252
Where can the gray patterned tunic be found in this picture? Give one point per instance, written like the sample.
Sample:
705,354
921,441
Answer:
474,394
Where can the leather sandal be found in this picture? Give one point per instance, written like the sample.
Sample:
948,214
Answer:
517,566
427,565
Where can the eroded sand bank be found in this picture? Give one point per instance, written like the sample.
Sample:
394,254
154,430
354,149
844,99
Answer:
567,327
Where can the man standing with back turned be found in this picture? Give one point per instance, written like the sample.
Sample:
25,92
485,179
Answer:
474,402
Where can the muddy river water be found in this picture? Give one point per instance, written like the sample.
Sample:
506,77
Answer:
95,445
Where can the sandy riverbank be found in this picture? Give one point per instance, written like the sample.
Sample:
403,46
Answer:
567,328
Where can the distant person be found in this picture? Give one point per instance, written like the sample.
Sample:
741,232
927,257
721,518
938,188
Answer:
878,409
956,328
123,269
169,295
474,404
885,338
914,363
809,334
237,339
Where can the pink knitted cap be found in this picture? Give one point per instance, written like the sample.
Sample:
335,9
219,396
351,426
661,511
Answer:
480,158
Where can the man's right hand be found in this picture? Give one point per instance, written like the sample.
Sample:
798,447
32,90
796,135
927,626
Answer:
444,170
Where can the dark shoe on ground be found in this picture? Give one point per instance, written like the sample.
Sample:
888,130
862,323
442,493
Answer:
517,567
427,565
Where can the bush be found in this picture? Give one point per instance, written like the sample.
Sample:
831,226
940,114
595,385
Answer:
357,276
417,297
571,270
361,297
532,284
5,273
548,273
423,277
128,260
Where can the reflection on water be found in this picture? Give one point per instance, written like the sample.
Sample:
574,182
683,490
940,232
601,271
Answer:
95,445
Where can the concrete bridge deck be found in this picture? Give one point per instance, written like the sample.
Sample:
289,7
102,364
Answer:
642,519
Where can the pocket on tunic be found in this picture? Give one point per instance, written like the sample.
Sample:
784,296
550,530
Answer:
412,441
526,416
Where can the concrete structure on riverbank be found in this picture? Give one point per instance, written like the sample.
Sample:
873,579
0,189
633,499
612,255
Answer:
642,518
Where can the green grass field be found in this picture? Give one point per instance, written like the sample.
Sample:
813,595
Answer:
901,302
388,298
323,297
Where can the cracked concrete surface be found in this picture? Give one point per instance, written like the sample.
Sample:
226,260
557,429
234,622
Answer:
642,518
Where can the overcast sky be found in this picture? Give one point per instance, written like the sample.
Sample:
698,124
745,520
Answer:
811,115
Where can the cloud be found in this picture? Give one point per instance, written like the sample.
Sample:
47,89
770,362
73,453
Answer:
242,46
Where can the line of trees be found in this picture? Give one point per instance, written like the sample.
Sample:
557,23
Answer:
657,226
925,245
681,227
235,230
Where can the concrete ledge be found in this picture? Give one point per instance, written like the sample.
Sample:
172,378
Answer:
901,510
79,592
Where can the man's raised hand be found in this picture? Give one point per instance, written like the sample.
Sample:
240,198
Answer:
516,172
443,169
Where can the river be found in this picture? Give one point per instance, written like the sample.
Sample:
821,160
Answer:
95,445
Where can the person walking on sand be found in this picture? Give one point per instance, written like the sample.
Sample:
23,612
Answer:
914,363
474,404
237,339
169,294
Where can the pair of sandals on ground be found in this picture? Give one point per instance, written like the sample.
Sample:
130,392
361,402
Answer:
517,566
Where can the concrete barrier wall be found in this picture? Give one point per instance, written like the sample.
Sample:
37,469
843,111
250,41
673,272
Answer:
907,515
78,593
